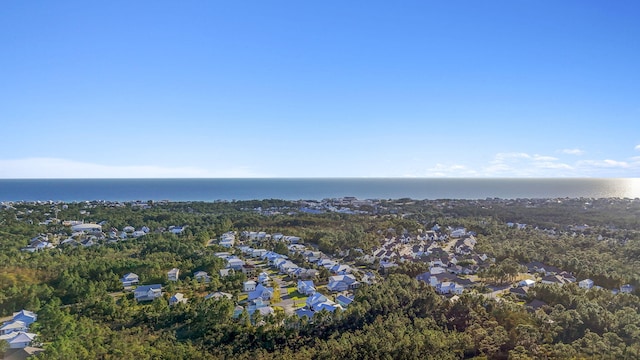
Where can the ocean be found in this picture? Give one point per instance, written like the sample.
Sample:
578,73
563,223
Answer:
74,190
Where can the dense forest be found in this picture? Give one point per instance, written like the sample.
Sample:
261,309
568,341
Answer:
83,313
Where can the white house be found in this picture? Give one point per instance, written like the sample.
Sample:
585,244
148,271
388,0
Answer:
202,276
218,295
173,274
306,287
235,263
20,340
258,252
177,230
526,282
459,232
12,326
317,302
147,292
130,279
261,292
86,228
227,240
586,284
177,298
626,289
249,286
342,283
449,288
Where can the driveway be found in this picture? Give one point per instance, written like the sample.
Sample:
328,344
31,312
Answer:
286,302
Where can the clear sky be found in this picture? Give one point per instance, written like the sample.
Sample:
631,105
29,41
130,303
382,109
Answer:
319,88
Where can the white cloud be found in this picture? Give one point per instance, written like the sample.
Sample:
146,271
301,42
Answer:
519,164
637,147
62,168
576,152
604,163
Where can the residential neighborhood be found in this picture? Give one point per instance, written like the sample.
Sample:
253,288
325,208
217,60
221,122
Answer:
307,266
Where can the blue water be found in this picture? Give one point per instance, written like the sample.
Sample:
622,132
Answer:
310,189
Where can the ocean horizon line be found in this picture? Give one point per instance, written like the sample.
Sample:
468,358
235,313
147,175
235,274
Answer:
213,189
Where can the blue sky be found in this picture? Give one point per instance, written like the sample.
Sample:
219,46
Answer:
319,89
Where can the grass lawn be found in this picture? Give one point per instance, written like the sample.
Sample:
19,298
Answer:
295,295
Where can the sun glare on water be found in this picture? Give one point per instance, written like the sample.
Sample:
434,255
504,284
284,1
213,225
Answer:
631,188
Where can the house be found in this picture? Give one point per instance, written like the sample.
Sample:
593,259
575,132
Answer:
147,292
86,228
306,287
568,277
261,292
218,295
286,267
626,289
330,306
586,284
344,301
249,286
458,232
177,298
227,240
202,276
173,274
521,292
291,239
264,278
339,269
258,252
26,316
12,326
527,283
424,277
226,272
235,263
249,270
317,302
449,288
20,339
87,242
304,312
176,230
342,283
308,274
369,278
553,280
130,279
538,267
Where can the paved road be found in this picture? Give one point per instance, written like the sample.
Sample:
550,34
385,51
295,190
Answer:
286,302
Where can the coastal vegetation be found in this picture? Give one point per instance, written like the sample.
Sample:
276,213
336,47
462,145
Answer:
76,289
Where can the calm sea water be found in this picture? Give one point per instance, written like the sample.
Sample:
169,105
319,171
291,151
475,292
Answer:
309,189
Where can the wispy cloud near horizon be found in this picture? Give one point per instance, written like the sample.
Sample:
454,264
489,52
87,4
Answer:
54,168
